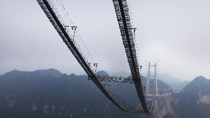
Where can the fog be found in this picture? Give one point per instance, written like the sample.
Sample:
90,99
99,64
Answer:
175,33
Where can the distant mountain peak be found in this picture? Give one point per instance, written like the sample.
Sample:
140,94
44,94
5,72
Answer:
120,73
102,73
200,78
72,75
50,69
199,85
14,73
48,72
42,72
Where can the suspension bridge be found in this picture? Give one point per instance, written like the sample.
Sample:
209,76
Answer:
56,13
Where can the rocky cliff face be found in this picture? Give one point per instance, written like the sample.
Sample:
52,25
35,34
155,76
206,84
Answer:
163,108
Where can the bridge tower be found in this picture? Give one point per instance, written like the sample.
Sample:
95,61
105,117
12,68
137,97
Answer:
149,77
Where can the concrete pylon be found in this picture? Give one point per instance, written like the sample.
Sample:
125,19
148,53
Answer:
149,76
155,79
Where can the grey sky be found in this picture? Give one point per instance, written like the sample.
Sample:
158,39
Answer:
175,32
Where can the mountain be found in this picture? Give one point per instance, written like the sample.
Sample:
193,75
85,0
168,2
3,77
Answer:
194,100
44,94
173,82
50,94
122,73
168,79
48,72
200,85
180,86
102,73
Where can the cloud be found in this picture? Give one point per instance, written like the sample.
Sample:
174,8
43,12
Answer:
174,32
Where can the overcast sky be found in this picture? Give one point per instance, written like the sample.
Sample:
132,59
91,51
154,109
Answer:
175,32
